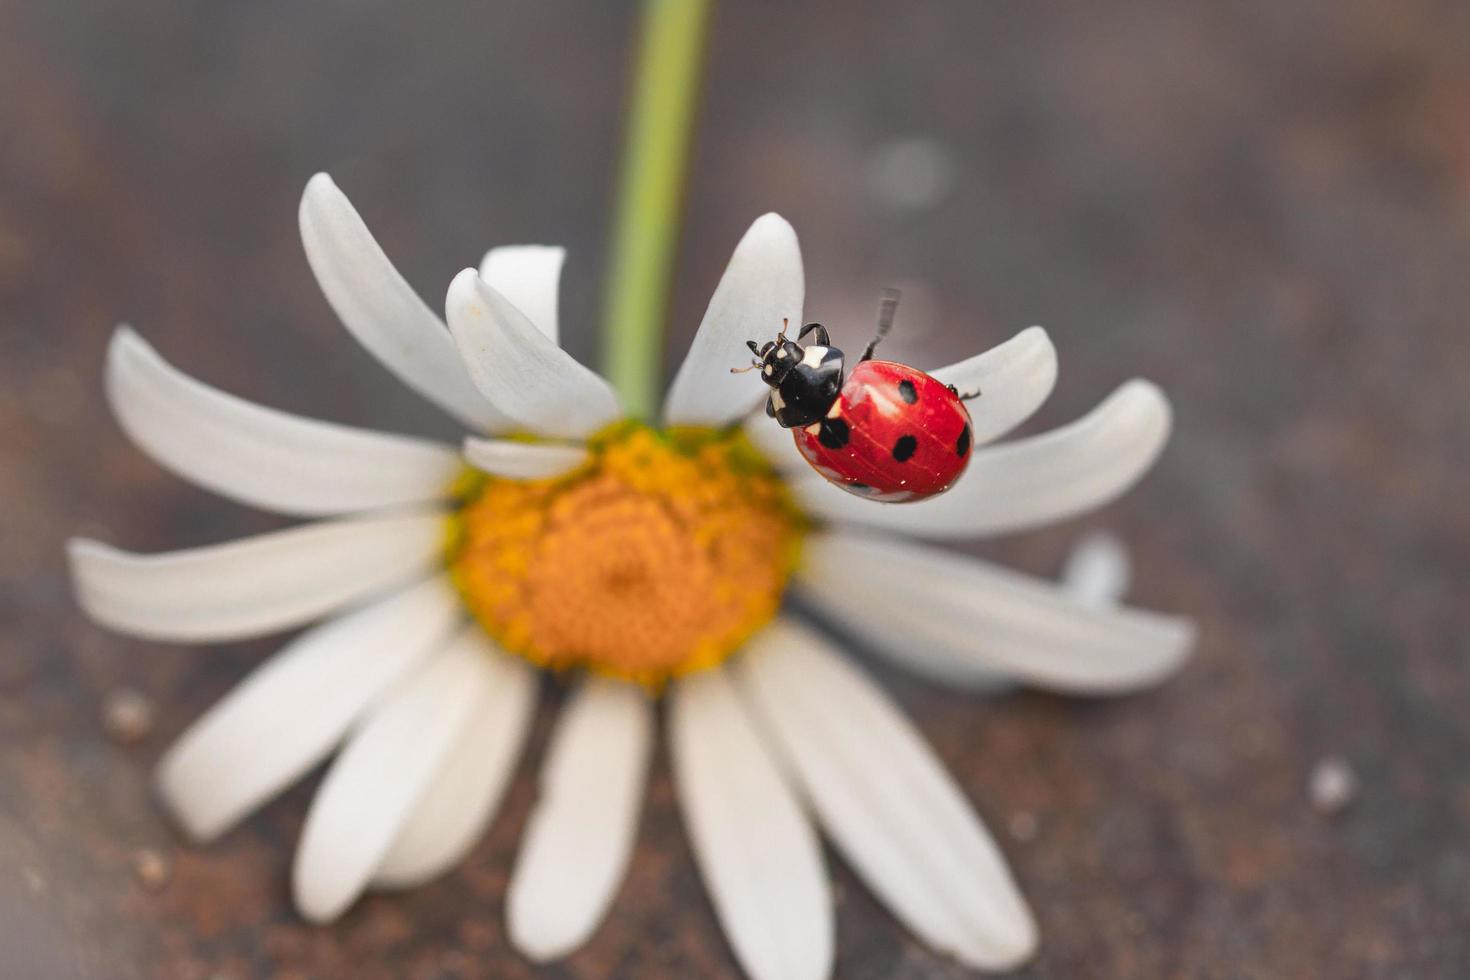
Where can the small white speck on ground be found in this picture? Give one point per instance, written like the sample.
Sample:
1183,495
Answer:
127,716
152,868
1023,826
1333,785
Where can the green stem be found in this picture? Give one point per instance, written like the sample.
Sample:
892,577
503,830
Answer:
650,195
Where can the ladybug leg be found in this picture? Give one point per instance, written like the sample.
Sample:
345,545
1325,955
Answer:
966,396
814,330
887,307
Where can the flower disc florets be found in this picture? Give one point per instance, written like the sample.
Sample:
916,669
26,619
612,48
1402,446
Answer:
657,557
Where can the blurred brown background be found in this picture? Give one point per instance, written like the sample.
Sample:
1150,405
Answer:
1264,206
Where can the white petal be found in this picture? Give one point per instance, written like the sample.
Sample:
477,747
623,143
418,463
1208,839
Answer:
384,770
522,460
775,442
1029,482
452,814
762,285
1013,380
580,835
528,276
956,618
1098,570
381,309
534,382
253,586
886,801
756,850
262,457
290,712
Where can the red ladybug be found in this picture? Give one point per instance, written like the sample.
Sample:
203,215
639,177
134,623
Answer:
887,432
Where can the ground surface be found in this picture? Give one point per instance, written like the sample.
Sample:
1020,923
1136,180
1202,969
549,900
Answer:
1263,206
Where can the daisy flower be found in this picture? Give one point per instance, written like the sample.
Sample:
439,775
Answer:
641,563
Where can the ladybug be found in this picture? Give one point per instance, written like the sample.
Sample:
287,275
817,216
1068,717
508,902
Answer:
887,431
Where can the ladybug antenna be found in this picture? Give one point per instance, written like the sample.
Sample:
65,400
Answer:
750,367
887,307
781,337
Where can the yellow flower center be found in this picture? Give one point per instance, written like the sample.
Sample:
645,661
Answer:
657,557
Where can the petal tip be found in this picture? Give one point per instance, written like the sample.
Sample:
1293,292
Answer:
1041,337
80,549
536,936
1034,341
321,193
463,291
318,897
1143,388
1046,350
314,908
87,560
1002,946
124,333
772,227
1149,394
320,185
1186,641
171,788
489,294
126,343
80,552
1021,948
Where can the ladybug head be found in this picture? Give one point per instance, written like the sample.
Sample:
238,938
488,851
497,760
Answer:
776,358
804,378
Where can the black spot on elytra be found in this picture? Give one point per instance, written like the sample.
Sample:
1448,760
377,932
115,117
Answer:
904,448
907,392
834,433
962,444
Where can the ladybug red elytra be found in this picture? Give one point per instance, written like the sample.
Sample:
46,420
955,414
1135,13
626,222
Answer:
887,432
